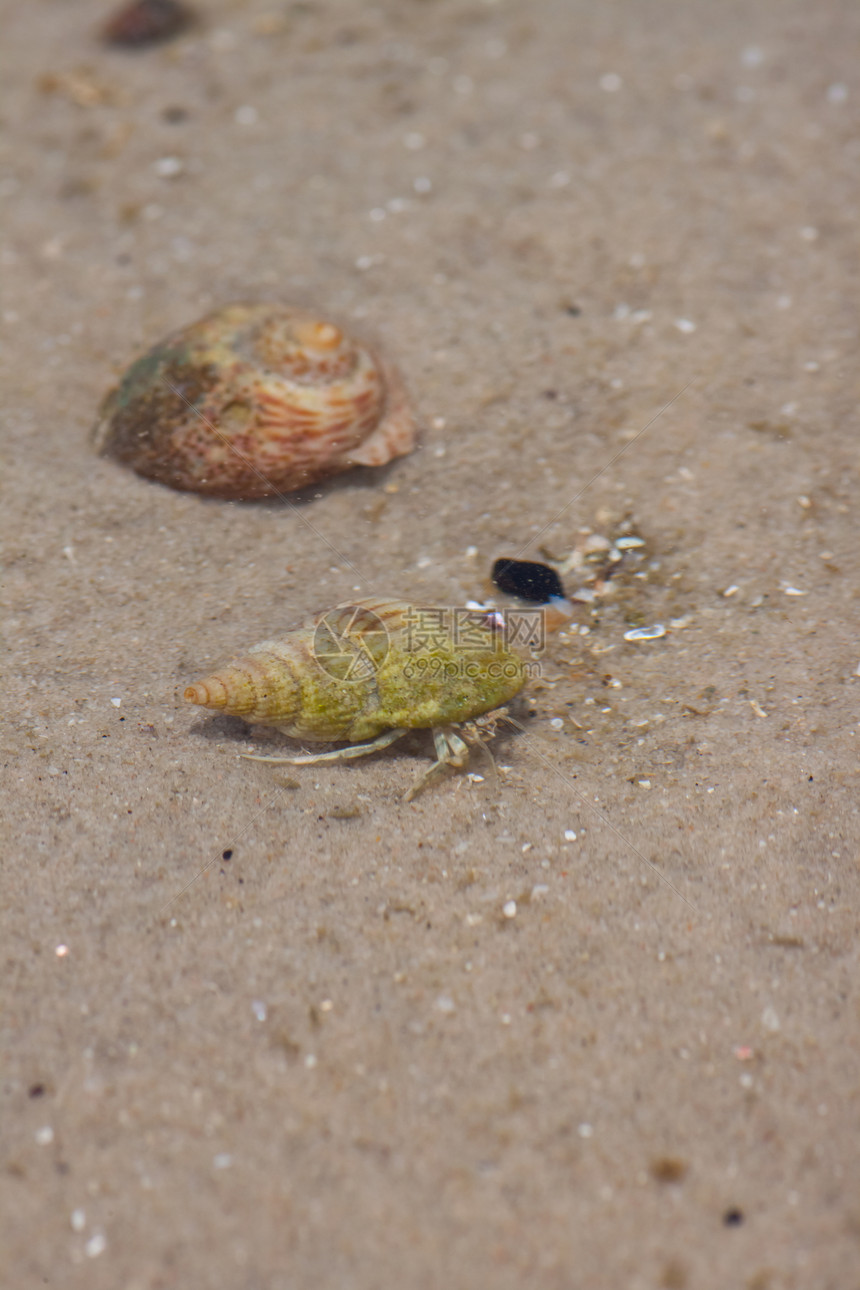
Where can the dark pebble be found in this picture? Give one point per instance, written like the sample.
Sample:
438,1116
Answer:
527,579
146,22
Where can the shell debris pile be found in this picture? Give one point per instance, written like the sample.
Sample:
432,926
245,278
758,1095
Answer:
253,401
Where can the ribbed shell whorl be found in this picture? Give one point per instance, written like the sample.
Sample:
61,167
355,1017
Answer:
261,686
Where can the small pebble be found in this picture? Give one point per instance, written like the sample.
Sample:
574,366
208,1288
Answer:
45,1136
96,1245
527,579
770,1019
146,22
752,56
509,909
569,835
557,723
168,167
61,951
259,1009
78,1220
445,1004
222,40
586,1131
685,325
117,703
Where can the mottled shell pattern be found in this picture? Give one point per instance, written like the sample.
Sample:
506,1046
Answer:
253,401
351,672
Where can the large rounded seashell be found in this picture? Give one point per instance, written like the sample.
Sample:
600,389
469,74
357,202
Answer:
253,401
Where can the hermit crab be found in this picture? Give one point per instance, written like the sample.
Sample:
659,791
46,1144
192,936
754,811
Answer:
366,673
253,401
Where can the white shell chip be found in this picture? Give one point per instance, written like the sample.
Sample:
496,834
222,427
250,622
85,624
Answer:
646,633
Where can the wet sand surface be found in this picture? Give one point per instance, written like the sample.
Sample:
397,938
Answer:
271,1028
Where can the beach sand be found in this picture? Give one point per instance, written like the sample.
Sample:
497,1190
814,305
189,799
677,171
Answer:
269,1028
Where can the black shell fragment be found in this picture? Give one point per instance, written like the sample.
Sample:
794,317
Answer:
527,579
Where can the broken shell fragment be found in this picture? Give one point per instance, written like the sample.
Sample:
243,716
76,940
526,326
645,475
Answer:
645,633
253,401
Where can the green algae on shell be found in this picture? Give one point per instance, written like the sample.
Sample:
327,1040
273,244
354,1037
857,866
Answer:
253,401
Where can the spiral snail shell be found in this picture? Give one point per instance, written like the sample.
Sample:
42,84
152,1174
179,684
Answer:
253,401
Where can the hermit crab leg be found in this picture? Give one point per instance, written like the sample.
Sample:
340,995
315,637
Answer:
451,750
337,754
